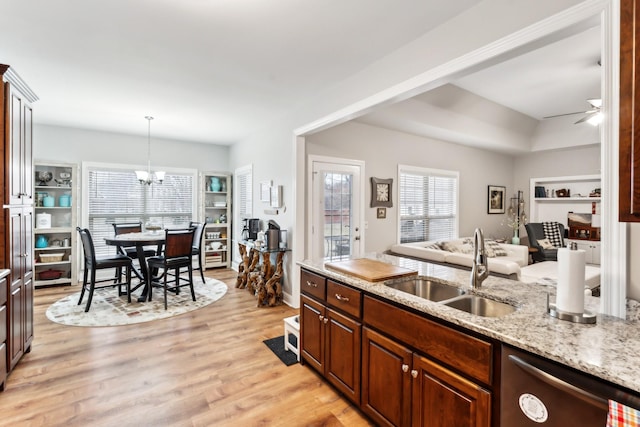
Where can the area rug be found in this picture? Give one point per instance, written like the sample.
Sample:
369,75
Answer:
109,309
277,346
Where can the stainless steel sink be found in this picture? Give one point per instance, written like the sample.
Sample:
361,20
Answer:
425,288
480,306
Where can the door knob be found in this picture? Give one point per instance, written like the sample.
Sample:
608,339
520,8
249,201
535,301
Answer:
405,367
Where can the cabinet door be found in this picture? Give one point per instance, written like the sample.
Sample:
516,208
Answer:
27,277
629,155
15,328
442,398
385,373
27,154
312,317
19,148
342,359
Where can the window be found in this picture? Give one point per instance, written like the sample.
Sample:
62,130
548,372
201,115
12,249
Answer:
243,204
428,204
113,194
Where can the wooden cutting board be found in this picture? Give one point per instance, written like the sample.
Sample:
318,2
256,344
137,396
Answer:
370,269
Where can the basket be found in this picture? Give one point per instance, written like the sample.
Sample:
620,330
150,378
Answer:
49,275
52,257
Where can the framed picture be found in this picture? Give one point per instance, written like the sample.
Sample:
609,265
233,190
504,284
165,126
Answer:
381,213
265,191
276,196
381,192
496,199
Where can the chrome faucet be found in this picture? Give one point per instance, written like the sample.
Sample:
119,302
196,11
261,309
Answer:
479,271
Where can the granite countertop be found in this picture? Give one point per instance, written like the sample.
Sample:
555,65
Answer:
608,349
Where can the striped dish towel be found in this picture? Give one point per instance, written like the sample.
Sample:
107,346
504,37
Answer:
622,416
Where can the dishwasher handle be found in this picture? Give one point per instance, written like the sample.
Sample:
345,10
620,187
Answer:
560,384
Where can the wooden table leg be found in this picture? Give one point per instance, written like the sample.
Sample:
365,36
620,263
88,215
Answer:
243,267
273,285
254,259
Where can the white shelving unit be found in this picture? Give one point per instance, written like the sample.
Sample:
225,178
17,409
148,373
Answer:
60,236
557,208
216,213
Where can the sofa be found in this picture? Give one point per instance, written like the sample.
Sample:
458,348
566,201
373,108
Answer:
502,258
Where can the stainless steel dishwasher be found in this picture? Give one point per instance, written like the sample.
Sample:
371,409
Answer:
538,392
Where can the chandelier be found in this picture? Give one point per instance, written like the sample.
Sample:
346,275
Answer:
146,177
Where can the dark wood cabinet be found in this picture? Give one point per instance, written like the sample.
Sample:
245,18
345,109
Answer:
386,371
3,328
401,367
20,304
330,339
16,123
442,398
425,392
629,138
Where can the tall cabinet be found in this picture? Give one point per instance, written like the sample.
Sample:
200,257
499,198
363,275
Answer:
629,157
55,221
17,222
215,210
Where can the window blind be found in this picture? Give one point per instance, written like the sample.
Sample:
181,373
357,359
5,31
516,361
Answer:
428,205
117,196
244,192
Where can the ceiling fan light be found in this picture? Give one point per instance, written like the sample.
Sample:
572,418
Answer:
596,119
595,102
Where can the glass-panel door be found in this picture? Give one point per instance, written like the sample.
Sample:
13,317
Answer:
336,211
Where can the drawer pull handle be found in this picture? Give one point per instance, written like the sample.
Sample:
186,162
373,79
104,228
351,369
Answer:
405,367
321,317
341,298
326,319
312,284
414,373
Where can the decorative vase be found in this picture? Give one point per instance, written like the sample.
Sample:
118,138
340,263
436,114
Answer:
515,240
215,184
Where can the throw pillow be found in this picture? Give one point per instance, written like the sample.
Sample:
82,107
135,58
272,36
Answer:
493,246
546,244
433,246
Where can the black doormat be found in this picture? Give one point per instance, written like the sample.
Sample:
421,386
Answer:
277,346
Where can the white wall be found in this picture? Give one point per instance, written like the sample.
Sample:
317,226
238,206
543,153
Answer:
73,145
584,160
382,150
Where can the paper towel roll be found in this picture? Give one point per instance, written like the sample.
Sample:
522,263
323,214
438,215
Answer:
570,292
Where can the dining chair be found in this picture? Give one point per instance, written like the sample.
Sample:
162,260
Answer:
132,227
92,264
177,255
196,250
131,251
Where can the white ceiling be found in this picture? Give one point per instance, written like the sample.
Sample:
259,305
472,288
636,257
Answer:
209,70
555,79
520,92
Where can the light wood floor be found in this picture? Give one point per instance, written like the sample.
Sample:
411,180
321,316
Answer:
205,368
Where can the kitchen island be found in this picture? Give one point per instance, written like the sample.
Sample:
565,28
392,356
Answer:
607,350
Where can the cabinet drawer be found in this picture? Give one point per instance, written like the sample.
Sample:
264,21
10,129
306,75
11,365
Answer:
3,324
344,298
467,354
312,284
3,291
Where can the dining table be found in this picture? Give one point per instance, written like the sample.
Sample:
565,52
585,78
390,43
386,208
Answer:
140,240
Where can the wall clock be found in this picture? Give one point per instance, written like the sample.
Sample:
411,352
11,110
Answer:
381,192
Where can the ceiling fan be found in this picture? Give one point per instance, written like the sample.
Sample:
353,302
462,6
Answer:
592,115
